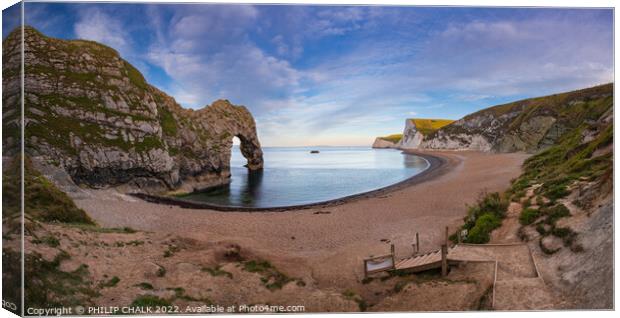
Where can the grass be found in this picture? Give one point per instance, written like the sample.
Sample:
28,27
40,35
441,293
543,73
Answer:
351,295
43,200
556,168
528,216
217,271
145,286
48,240
110,283
271,278
97,229
135,77
394,138
167,121
428,126
171,250
483,217
161,271
48,286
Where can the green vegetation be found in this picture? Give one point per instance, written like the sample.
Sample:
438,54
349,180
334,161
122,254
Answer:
48,286
97,229
168,123
528,216
570,110
554,170
171,250
43,201
161,271
428,126
179,293
271,278
217,271
392,138
351,295
559,166
48,240
135,77
145,286
483,217
111,283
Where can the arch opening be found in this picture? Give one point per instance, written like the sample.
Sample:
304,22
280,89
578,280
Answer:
251,150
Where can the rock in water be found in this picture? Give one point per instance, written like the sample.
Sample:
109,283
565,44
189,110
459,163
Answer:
93,114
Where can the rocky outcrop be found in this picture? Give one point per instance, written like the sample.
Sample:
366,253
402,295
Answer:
528,125
92,113
381,143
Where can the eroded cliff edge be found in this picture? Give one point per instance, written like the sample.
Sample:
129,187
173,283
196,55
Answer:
528,125
91,113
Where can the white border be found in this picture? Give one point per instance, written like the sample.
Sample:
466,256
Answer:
483,3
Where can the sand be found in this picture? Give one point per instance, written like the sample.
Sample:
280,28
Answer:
328,243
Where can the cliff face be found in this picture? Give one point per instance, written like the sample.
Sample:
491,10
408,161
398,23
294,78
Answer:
528,125
411,136
92,113
381,143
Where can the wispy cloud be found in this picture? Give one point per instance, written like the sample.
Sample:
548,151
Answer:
95,25
341,75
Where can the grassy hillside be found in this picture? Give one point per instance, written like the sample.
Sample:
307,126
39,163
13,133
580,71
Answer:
533,124
428,126
583,153
392,138
43,200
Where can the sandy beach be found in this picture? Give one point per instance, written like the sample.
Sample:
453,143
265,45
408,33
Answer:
329,242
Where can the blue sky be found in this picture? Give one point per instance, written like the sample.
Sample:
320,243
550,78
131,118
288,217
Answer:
334,75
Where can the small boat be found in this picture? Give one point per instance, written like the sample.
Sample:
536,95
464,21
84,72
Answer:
314,151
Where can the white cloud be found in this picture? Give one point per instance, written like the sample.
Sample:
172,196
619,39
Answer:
96,25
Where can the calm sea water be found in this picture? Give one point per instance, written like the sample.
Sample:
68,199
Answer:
294,176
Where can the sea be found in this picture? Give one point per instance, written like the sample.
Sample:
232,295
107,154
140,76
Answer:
295,176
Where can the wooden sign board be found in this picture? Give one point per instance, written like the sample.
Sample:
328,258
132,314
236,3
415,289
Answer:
378,264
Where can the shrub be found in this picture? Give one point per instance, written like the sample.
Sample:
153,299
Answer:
491,203
48,240
271,278
528,216
556,191
555,213
481,231
145,286
149,301
111,283
217,271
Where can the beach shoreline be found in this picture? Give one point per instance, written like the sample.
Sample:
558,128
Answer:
329,242
437,164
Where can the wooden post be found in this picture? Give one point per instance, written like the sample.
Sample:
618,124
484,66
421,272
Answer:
447,235
417,242
458,236
444,260
392,249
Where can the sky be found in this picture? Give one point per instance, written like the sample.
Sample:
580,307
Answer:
342,75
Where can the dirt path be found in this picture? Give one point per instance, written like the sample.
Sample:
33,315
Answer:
519,285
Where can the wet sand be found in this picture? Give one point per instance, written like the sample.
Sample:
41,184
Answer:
329,242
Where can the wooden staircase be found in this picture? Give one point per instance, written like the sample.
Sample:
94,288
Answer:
422,262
